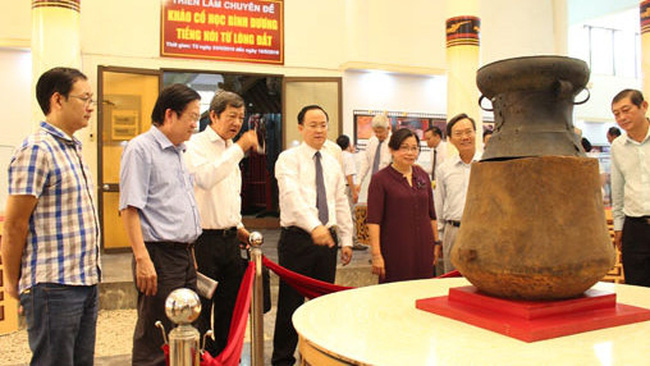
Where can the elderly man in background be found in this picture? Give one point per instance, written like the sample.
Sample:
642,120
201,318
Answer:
377,155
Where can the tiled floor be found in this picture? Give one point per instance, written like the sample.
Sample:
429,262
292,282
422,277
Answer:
115,327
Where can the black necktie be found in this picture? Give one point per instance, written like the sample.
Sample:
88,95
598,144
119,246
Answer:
321,193
375,163
433,167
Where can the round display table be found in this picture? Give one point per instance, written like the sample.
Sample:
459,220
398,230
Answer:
380,325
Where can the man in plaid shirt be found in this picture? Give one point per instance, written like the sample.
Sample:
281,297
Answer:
50,246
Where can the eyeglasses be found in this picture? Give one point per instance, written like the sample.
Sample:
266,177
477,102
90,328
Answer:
88,100
465,133
409,148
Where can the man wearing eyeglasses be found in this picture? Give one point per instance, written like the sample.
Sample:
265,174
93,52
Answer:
50,243
452,180
160,215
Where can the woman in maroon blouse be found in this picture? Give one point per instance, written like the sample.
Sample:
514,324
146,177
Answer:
401,218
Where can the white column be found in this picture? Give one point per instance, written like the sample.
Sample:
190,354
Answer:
463,46
55,39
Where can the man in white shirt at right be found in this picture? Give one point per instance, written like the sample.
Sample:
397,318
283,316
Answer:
377,155
631,186
452,180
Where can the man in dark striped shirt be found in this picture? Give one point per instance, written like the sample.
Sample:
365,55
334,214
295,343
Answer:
50,246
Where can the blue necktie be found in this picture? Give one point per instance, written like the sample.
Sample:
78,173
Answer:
375,163
321,193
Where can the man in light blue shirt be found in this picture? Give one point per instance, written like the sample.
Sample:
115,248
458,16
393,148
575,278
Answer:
160,214
631,186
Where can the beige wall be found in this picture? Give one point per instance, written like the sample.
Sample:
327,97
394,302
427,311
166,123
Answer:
15,23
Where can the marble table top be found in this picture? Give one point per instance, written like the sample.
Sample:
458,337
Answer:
380,325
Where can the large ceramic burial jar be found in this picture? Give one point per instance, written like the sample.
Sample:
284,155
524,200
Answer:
534,225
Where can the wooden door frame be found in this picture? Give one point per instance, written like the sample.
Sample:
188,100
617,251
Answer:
324,79
100,138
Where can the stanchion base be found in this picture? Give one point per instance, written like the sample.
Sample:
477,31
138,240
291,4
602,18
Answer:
532,321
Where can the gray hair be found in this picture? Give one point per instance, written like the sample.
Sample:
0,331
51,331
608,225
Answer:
380,121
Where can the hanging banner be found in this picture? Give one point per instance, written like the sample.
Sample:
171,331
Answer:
229,30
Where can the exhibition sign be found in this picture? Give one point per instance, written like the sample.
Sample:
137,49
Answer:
229,30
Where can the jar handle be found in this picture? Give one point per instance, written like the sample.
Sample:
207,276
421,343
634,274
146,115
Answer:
586,99
480,100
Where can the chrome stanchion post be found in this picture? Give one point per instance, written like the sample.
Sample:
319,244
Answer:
183,307
257,314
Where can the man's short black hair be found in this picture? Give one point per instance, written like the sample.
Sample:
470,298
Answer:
636,97
175,97
614,131
56,80
435,130
455,120
343,141
586,145
305,109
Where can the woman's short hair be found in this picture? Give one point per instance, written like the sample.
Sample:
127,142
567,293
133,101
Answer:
397,138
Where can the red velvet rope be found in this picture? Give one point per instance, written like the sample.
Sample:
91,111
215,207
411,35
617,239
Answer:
231,355
451,274
306,286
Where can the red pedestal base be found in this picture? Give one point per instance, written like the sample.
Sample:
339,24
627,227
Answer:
532,321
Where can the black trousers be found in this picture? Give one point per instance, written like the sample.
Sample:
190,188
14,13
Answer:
175,269
297,252
218,257
636,251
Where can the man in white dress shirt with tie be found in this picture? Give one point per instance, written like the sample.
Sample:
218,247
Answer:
314,215
377,155
452,181
433,137
213,161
